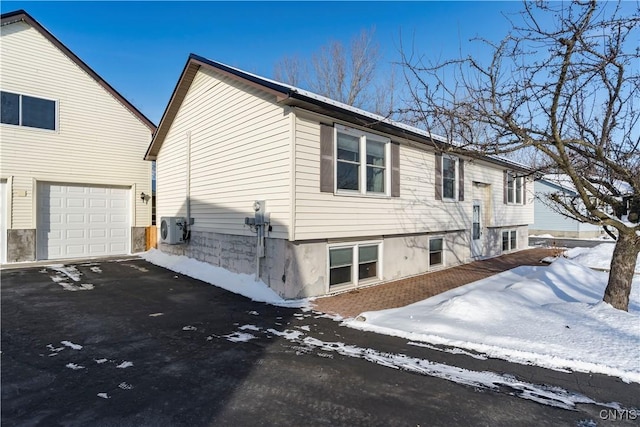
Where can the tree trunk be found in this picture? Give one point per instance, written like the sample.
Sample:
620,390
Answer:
623,265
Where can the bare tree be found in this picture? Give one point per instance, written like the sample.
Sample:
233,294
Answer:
350,74
565,84
290,70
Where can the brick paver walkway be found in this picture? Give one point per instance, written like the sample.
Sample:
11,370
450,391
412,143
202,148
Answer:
407,291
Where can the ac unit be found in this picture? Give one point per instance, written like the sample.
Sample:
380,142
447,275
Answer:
172,230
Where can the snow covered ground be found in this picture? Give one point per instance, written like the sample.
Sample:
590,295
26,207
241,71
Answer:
243,284
598,257
552,317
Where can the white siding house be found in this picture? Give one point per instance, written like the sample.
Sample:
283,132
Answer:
549,221
72,165
353,199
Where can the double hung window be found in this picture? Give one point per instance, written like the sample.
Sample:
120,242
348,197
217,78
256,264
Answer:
362,162
514,189
449,178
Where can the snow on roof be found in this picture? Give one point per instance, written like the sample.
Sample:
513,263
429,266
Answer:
564,181
333,102
325,100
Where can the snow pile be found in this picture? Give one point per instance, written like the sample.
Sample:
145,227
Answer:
547,316
598,257
243,284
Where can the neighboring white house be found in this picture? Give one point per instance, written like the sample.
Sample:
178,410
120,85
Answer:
549,221
72,168
354,199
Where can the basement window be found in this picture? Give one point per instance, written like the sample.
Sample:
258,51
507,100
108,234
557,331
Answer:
509,240
435,251
353,265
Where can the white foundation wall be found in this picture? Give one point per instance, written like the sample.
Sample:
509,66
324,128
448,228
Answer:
306,269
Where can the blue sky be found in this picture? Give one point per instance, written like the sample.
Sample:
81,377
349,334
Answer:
140,48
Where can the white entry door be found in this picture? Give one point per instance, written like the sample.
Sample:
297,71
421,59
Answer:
3,220
82,220
477,241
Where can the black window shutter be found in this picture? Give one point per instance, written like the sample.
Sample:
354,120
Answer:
461,180
438,181
326,158
395,169
506,187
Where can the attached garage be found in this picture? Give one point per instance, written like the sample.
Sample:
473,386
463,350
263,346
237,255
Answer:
77,220
3,219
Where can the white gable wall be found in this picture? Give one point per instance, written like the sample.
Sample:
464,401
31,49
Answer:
98,140
240,152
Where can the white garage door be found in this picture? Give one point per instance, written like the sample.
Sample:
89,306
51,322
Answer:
82,220
3,220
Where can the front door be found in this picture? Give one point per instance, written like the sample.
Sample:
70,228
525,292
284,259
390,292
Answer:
476,230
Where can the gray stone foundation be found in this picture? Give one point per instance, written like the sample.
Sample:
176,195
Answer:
138,239
21,245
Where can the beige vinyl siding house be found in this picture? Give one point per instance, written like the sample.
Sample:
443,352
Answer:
353,199
71,153
240,150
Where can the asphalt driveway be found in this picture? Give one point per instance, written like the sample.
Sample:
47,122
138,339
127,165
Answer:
126,343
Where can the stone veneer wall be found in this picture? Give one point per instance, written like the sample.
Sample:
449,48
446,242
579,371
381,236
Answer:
21,245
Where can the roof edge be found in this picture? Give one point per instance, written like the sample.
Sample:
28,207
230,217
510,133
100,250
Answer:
290,95
21,15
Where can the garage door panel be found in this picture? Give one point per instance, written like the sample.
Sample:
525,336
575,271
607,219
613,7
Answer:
55,189
75,189
78,221
76,234
53,234
99,233
101,248
98,219
97,203
3,219
99,190
74,250
117,232
118,219
76,203
55,219
118,204
117,247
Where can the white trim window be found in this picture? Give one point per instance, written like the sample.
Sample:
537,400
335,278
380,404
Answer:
515,189
509,240
436,251
355,264
449,178
28,111
362,162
